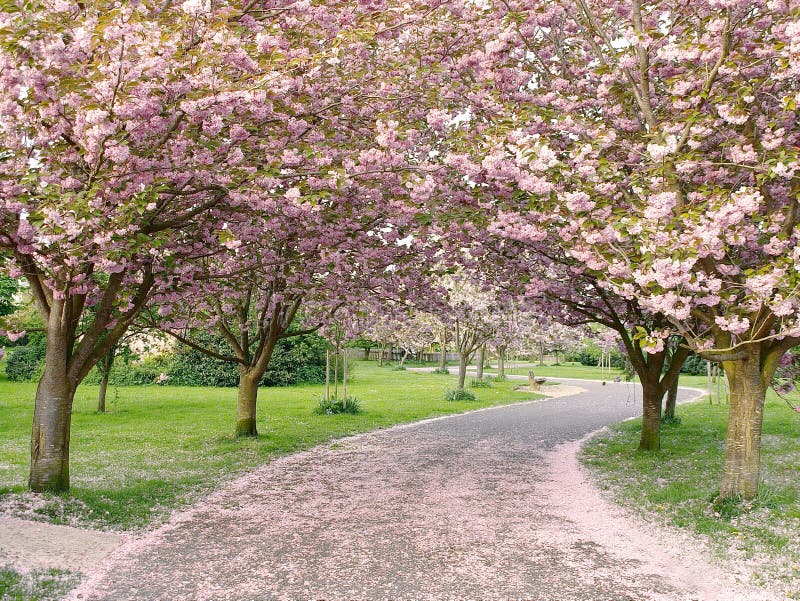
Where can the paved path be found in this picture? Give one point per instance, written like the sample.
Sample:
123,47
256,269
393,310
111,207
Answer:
486,505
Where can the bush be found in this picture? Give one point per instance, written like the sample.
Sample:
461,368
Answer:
441,370
333,406
589,355
399,368
694,365
483,383
459,395
135,372
299,360
26,363
502,378
296,360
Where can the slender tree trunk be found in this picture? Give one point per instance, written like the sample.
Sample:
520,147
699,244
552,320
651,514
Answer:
479,362
745,415
336,374
442,357
541,353
327,374
101,396
246,405
344,380
403,358
501,362
51,421
672,399
105,368
462,370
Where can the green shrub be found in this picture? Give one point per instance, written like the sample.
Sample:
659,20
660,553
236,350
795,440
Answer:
26,363
482,383
333,406
589,355
295,360
135,372
502,378
399,368
459,395
441,370
694,365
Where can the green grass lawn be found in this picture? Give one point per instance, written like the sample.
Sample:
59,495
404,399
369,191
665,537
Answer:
562,370
161,447
36,585
677,484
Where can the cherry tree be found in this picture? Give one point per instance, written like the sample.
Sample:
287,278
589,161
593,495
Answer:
131,133
660,140
287,273
469,309
111,176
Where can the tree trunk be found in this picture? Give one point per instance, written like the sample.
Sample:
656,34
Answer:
105,368
344,380
403,358
652,395
51,422
336,374
479,363
672,399
745,416
366,354
462,370
327,374
442,357
501,363
101,396
541,353
246,406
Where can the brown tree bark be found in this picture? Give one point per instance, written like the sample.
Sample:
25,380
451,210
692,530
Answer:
672,399
501,362
101,395
479,362
652,395
246,403
105,369
462,370
51,419
748,388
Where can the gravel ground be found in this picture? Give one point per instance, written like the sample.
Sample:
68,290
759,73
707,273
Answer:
27,545
486,505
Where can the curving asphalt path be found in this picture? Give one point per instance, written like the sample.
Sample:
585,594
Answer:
462,507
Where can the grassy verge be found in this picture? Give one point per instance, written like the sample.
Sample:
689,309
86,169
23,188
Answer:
562,370
37,585
158,448
676,486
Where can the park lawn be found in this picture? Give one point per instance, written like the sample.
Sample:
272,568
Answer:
676,485
561,370
158,448
36,585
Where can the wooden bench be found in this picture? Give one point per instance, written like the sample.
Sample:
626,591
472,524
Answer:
535,382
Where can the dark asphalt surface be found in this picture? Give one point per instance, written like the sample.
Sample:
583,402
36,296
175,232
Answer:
453,508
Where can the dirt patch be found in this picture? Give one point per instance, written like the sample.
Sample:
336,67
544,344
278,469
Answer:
26,545
646,547
554,392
